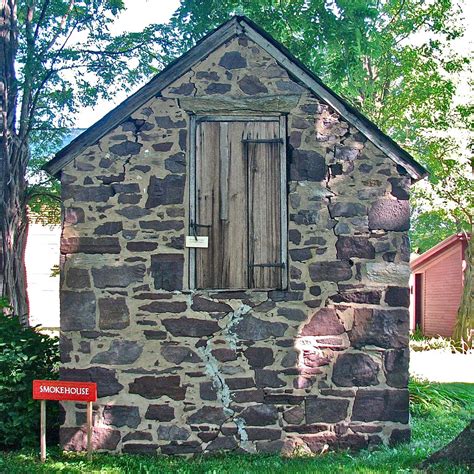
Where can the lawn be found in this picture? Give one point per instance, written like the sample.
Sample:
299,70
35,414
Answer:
434,425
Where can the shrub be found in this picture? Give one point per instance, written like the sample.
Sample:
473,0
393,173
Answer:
420,343
25,355
426,397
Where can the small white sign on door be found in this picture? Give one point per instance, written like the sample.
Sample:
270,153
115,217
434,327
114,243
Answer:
201,241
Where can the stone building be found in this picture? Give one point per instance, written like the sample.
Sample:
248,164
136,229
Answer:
288,325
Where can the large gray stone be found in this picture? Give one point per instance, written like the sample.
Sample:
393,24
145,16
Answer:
259,356
307,166
348,247
126,148
293,314
268,378
78,278
141,246
260,415
169,224
178,354
77,310
176,163
360,297
151,388
163,191
381,405
118,276
65,348
396,367
190,327
397,296
252,85
140,448
173,433
160,413
209,306
382,328
217,88
87,193
232,60
165,307
90,245
390,214
167,271
326,410
347,209
208,415
113,313
330,271
119,353
166,122
133,212
121,415
109,228
355,370
254,329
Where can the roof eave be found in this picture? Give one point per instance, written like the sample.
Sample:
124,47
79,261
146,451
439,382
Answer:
438,249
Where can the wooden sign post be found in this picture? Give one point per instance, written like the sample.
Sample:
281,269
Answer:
66,391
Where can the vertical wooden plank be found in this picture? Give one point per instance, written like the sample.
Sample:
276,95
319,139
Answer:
89,431
224,171
192,145
43,430
283,204
208,261
264,206
235,256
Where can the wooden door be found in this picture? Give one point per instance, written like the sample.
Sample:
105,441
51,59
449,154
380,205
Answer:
238,204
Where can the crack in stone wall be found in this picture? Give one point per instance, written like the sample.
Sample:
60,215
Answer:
212,368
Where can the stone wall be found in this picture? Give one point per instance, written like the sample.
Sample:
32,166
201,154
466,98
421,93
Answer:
179,371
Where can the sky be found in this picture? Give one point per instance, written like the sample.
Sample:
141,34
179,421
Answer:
138,15
141,13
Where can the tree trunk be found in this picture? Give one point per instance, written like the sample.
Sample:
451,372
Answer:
458,451
464,322
13,160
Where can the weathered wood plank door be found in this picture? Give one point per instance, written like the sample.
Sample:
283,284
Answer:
238,194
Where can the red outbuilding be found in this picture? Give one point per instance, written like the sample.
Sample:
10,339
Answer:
436,286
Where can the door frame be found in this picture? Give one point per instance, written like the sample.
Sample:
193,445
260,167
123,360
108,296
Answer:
194,122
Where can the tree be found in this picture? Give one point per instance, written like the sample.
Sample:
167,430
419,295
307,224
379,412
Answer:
55,56
394,61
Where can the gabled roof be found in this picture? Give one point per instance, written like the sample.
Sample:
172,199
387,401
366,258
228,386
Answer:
438,249
236,26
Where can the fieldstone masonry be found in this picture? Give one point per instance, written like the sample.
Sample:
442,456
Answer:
324,361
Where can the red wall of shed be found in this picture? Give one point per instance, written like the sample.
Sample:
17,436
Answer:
443,280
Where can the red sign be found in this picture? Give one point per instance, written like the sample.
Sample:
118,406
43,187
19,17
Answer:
59,390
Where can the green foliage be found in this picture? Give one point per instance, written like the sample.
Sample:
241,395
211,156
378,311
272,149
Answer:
394,60
431,431
420,343
427,397
68,59
25,355
433,226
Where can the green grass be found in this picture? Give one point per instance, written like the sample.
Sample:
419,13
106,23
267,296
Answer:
433,424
